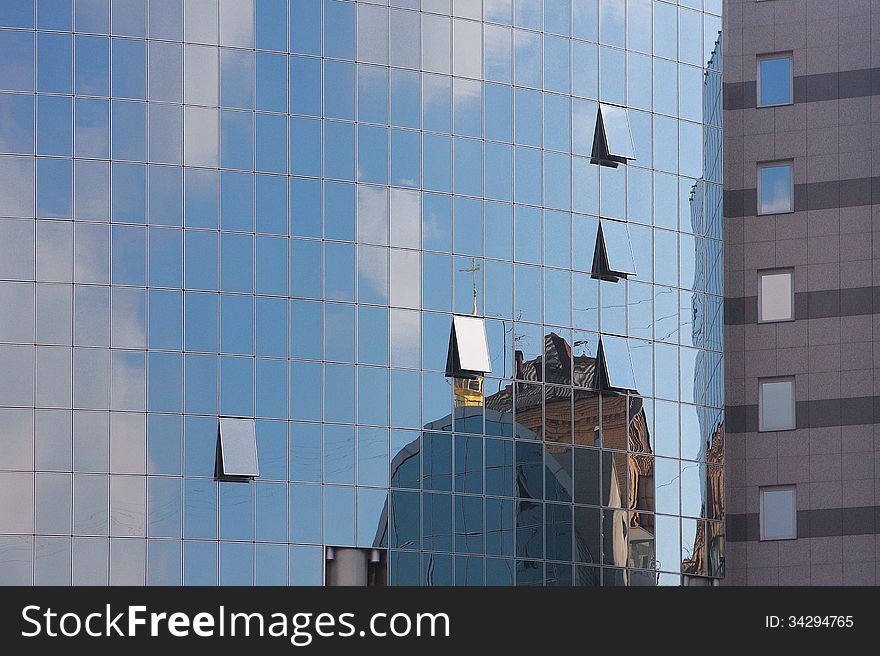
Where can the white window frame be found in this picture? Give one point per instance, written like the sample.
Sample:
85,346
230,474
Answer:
767,57
776,379
778,488
774,272
766,165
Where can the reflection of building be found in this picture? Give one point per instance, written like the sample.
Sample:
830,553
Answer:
597,450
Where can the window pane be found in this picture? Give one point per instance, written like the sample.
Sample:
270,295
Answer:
776,296
775,189
777,405
774,80
778,514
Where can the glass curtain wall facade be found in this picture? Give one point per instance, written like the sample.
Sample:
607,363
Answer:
271,210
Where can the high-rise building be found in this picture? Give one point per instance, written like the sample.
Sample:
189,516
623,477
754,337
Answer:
388,292
801,272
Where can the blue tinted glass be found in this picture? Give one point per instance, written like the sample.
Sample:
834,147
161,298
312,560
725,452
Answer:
91,128
200,509
339,211
236,139
339,90
200,383
17,50
271,25
373,154
775,184
236,386
272,450
339,147
236,79
51,14
339,29
305,26
271,72
271,255
164,507
129,255
54,187
236,263
305,268
165,195
339,386
54,124
128,201
236,324
373,335
500,107
305,86
436,103
468,166
202,198
305,207
271,204
164,440
306,329
339,329
236,563
339,281
165,382
200,260
437,162
54,71
271,153
339,515
236,511
405,106
19,14
271,511
200,563
305,452
129,68
306,565
306,390
339,454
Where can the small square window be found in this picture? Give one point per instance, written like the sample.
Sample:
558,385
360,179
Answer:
775,296
774,80
776,404
468,355
238,448
779,513
775,188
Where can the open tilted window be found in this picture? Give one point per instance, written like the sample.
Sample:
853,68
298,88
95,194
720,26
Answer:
613,256
612,141
468,355
616,365
237,455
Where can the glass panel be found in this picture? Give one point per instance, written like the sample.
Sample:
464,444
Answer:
617,362
776,296
617,247
777,405
775,188
774,80
615,121
778,514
